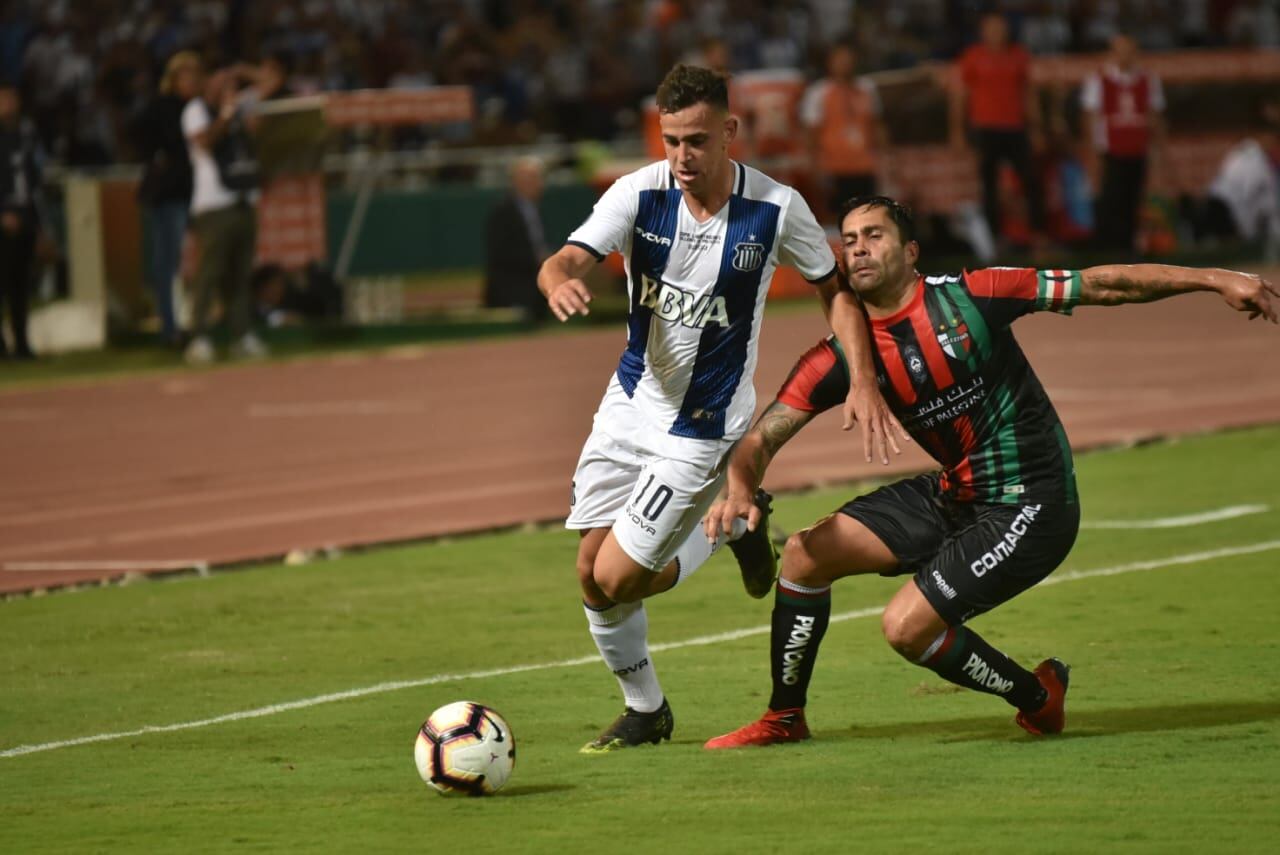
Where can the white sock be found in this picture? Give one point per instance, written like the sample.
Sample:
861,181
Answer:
696,549
621,633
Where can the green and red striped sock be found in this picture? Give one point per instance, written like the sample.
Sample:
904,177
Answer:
961,656
800,618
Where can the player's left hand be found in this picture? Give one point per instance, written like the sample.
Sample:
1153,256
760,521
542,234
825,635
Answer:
866,406
1248,292
720,517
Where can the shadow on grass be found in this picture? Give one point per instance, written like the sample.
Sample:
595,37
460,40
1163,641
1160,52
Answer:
1081,725
532,790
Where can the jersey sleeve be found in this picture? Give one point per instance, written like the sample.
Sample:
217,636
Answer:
818,381
803,244
1003,294
608,228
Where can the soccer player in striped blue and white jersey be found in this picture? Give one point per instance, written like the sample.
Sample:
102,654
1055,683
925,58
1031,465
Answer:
700,236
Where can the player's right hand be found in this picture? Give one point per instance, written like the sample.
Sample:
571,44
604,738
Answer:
571,297
719,520
1248,292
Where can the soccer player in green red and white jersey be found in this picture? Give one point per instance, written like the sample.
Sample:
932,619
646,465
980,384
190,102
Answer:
1002,513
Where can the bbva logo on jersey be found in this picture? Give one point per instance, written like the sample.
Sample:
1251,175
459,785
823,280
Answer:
675,304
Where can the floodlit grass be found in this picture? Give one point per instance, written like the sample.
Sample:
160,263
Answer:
1173,741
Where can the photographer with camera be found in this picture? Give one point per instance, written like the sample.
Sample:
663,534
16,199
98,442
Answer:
223,207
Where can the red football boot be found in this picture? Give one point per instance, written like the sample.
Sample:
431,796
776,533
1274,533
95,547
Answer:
1052,717
776,726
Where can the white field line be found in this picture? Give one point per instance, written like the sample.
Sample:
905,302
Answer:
733,635
1228,513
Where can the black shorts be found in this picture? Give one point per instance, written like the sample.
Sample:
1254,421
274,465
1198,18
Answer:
967,557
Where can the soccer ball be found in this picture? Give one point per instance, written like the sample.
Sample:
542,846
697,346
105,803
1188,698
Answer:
465,748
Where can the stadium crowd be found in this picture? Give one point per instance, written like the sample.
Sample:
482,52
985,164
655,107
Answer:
97,83
569,68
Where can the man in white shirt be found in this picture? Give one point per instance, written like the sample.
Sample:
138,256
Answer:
223,217
1248,187
700,236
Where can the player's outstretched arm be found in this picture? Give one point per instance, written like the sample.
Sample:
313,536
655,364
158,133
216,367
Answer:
1113,284
747,464
560,281
864,406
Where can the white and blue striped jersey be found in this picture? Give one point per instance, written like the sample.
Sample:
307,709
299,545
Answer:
698,290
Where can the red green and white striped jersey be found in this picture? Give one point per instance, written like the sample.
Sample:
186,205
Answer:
950,369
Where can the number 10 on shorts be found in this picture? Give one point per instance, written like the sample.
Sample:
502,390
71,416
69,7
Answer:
652,499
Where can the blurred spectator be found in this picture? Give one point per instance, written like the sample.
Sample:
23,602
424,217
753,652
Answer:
282,299
165,191
223,201
1193,23
82,63
271,81
1244,197
842,117
1046,29
516,245
994,94
1123,106
1254,23
19,222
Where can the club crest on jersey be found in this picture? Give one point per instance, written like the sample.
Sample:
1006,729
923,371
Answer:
915,363
954,338
679,306
748,255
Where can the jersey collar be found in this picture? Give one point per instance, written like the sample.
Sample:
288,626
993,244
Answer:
916,300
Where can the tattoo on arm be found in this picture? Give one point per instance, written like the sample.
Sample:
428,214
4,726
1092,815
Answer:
1113,284
777,425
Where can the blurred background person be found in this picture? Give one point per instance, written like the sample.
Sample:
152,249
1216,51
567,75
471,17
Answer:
165,191
515,244
994,97
1123,107
1243,201
19,221
846,135
223,201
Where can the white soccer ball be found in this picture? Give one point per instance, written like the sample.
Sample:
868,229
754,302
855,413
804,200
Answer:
465,748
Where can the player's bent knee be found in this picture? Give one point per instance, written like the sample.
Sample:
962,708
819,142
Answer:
903,634
622,588
798,564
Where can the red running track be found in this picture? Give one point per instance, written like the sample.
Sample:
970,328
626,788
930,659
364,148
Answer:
211,467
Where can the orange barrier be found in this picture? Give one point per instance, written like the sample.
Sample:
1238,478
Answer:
291,221
436,105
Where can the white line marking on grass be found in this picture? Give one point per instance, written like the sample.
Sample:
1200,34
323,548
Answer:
1228,513
732,635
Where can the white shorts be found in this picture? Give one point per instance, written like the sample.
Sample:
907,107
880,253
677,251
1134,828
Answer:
652,501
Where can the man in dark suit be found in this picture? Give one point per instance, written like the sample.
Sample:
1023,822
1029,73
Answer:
515,245
19,222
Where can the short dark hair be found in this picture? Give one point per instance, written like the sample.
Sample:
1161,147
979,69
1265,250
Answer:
686,85
898,212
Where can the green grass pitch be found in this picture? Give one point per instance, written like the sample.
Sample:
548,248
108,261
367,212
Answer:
1173,741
